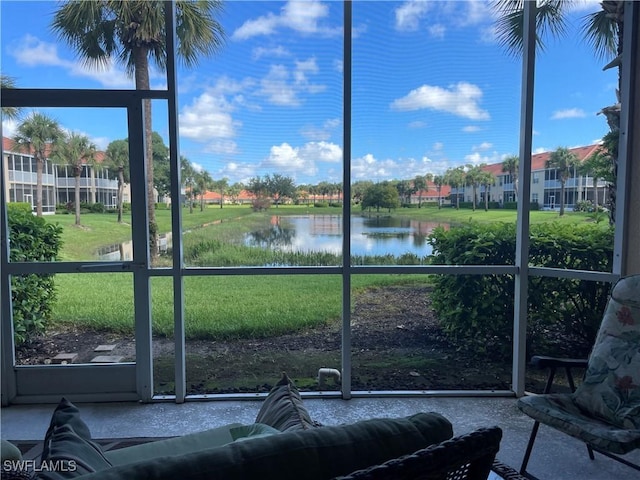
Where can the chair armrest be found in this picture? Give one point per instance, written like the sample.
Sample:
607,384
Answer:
540,361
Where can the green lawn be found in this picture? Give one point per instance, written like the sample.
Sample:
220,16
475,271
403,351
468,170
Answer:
222,306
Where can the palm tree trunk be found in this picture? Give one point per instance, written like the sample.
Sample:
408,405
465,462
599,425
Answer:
120,193
39,168
76,177
561,198
141,62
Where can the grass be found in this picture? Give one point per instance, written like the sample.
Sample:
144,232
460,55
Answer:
225,306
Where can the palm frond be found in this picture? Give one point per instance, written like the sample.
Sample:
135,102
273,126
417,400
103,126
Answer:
601,32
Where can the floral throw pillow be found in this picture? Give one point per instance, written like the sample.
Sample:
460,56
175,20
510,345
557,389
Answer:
611,388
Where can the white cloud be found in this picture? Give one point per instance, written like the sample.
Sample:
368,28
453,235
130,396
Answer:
30,51
282,87
471,129
278,51
460,99
476,158
338,66
9,127
368,167
476,12
287,159
323,132
437,31
409,14
302,17
568,113
483,146
209,117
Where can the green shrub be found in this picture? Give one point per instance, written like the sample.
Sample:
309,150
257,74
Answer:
97,207
476,311
260,204
336,204
320,204
32,296
409,205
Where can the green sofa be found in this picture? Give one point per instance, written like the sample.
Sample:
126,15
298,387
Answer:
284,443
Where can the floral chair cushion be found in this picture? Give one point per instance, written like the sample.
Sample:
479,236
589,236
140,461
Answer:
611,387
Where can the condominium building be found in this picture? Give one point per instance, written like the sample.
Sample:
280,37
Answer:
97,183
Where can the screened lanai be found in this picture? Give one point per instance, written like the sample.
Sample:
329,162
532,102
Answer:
187,306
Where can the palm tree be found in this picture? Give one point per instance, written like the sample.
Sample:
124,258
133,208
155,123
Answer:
37,134
510,165
421,185
75,151
599,166
204,182
438,181
487,179
133,33
117,157
474,178
11,113
563,161
221,187
455,177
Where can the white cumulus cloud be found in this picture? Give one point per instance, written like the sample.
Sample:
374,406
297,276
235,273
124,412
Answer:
301,17
409,14
461,99
568,113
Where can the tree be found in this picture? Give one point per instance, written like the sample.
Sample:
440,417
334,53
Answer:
221,187
381,195
11,113
487,179
133,33
234,191
204,182
510,165
421,185
563,161
75,151
473,177
280,187
455,178
187,175
359,188
117,158
600,166
161,166
439,181
405,190
37,135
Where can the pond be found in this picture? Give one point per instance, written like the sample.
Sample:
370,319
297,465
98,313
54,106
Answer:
370,235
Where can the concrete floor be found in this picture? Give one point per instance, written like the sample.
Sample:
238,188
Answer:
555,456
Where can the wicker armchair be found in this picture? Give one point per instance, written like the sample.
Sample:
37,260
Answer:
466,457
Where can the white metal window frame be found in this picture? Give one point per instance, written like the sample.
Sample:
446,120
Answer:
26,384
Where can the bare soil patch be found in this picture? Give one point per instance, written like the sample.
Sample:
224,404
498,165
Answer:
397,344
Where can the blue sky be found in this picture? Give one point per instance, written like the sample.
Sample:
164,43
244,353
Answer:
431,88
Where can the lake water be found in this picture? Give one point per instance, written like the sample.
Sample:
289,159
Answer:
375,235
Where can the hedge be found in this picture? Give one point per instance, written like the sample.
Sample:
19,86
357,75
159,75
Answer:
476,311
32,296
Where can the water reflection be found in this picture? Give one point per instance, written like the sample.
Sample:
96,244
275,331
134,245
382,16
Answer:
120,252
376,235
370,235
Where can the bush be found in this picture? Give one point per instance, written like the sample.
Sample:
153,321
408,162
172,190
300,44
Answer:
336,204
409,205
584,206
260,204
320,204
476,311
32,296
97,207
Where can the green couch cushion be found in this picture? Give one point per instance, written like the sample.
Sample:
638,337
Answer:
68,448
283,408
9,451
314,454
193,442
